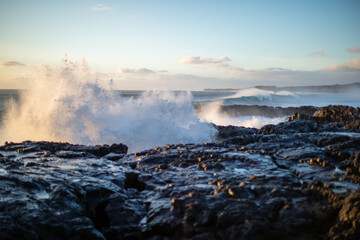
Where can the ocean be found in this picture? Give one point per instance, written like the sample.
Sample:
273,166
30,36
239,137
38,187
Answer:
71,104
86,113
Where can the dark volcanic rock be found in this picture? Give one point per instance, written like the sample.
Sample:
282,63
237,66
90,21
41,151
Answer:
266,111
261,110
341,116
295,180
50,147
337,113
299,126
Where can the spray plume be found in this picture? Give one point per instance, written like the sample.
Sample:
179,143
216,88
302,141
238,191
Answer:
69,103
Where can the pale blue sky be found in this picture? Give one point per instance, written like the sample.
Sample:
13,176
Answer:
301,36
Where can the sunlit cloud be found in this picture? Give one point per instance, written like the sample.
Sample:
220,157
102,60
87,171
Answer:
247,78
140,71
273,69
231,76
318,53
11,64
137,70
353,50
100,7
214,63
221,63
279,76
201,60
237,72
350,66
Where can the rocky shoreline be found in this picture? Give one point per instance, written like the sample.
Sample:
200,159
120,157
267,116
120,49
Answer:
261,110
296,180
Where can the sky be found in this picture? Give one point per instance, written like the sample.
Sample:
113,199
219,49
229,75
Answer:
184,45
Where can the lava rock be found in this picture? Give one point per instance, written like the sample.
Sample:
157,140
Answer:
345,116
296,180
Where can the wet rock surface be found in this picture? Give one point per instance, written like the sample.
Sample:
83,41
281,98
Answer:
296,180
343,116
266,111
262,110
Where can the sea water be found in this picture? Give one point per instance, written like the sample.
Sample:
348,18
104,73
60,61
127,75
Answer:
70,104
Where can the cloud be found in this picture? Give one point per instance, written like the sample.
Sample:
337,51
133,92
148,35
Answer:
350,66
201,60
100,7
318,53
273,69
354,50
144,78
248,78
272,73
137,70
11,64
240,77
219,63
140,71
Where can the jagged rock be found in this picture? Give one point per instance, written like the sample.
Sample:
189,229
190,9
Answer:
114,156
225,132
266,111
118,148
337,113
261,110
345,116
300,126
348,222
294,180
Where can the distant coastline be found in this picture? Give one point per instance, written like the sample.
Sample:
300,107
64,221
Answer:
317,88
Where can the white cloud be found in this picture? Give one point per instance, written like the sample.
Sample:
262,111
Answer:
350,66
232,77
140,71
201,60
100,7
11,64
218,63
354,50
318,53
137,70
143,78
275,75
273,69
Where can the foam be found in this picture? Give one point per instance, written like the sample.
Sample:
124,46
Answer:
211,112
260,94
69,103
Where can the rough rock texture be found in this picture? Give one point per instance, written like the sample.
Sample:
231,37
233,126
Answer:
345,116
300,180
266,111
260,110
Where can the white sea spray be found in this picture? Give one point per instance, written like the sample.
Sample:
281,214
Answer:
211,112
69,103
